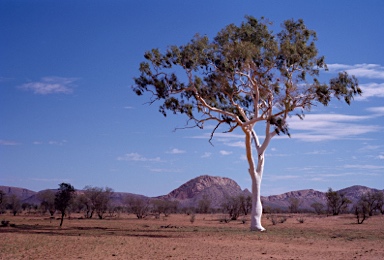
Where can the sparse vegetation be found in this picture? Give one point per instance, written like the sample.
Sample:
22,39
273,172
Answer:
234,208
275,219
318,207
3,201
14,204
138,206
192,218
336,202
237,205
102,201
294,204
165,207
204,205
95,200
368,204
372,201
47,198
63,199
224,218
282,219
177,238
301,220
4,223
380,204
361,211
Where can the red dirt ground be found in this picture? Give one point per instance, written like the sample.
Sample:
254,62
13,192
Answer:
175,237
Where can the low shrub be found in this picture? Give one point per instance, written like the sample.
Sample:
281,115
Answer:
301,220
192,218
4,223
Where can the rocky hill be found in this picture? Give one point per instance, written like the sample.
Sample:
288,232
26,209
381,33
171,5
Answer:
21,193
216,189
305,197
356,191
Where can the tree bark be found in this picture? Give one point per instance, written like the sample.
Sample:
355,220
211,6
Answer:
256,174
257,208
62,218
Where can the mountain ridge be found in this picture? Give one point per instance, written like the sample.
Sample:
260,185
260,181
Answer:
216,189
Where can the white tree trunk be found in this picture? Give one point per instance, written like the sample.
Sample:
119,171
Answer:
257,208
256,174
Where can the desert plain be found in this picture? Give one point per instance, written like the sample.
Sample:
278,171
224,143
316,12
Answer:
179,237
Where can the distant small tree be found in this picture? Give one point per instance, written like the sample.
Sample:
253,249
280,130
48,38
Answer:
47,198
232,206
204,205
380,203
300,220
102,201
2,197
245,204
3,201
166,207
25,206
318,207
188,210
267,209
116,210
28,207
85,204
294,204
336,202
14,204
192,218
361,211
137,206
96,199
237,205
372,201
77,205
63,199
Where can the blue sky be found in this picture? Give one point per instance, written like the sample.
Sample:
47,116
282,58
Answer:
68,114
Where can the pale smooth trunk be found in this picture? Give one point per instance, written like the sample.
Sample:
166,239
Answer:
257,208
256,174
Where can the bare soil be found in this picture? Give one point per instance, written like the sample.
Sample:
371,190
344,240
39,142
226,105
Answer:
175,237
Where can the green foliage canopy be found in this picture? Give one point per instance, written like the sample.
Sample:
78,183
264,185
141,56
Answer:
246,74
63,198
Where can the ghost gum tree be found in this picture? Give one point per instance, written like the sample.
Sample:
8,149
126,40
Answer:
246,75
